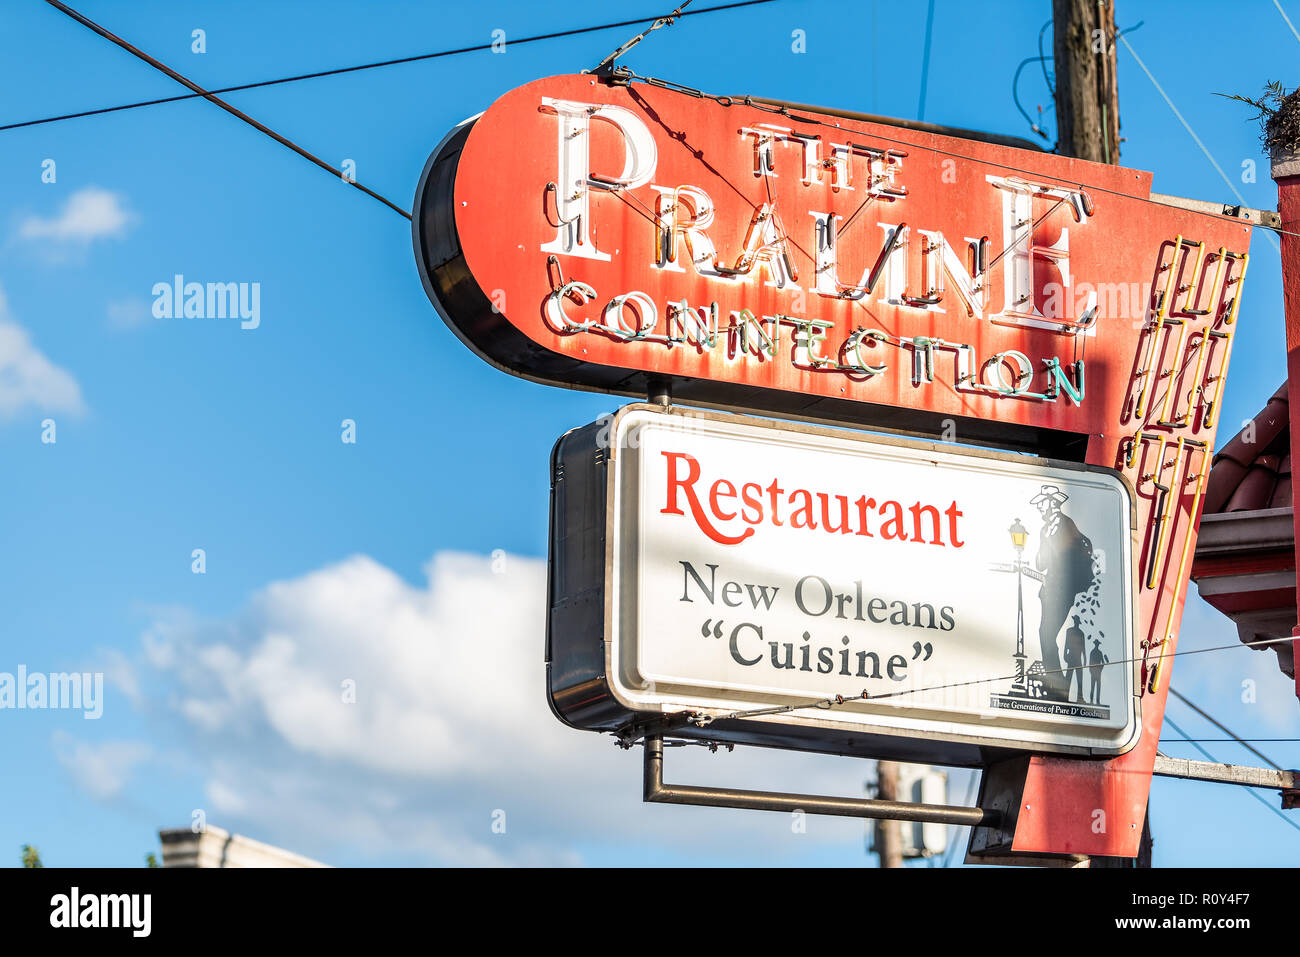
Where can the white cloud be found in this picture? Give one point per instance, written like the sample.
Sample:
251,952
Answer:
102,770
224,799
121,674
449,725
27,376
126,314
410,653
88,214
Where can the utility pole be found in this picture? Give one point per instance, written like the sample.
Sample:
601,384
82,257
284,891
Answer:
1087,118
1087,93
889,834
1087,111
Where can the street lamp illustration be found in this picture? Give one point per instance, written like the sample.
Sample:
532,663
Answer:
1019,535
1027,681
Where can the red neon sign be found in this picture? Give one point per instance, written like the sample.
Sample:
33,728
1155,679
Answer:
629,238
604,236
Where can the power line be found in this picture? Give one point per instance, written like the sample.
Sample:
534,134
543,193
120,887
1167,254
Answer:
780,109
834,701
1287,19
665,84
925,60
1218,724
1251,791
476,48
1188,127
1230,740
1015,95
1043,58
162,67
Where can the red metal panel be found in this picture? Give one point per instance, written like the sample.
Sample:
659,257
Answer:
1288,207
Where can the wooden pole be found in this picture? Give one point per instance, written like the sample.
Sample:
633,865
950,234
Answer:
889,834
1087,117
1087,91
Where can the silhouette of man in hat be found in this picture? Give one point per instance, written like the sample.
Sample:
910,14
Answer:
1097,660
1075,649
1065,559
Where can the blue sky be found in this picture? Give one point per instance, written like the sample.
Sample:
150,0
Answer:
328,561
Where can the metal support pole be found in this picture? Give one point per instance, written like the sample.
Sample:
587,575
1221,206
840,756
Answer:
656,792
1224,773
1267,218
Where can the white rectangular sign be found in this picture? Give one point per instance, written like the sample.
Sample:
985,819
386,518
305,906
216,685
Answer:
980,597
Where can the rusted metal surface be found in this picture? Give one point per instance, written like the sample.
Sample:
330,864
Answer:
1288,206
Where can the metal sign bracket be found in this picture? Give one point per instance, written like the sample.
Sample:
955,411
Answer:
1267,218
657,792
1242,775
